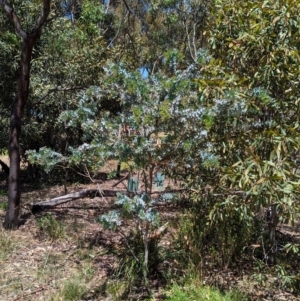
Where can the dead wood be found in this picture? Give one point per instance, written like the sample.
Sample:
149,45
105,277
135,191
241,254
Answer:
50,203
158,233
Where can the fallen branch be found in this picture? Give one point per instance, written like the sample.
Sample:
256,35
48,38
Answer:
50,203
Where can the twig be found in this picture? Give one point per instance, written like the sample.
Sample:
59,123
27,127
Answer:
31,293
128,246
123,179
134,14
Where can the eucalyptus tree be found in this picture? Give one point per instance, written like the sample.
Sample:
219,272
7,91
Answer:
29,36
74,51
164,115
256,143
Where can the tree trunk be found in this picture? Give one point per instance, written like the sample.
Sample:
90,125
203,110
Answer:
272,224
146,254
14,191
28,41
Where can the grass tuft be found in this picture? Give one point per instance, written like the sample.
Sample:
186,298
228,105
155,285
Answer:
7,245
197,292
72,291
52,227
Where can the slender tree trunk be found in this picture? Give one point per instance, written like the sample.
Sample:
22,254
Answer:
272,224
14,191
28,41
146,254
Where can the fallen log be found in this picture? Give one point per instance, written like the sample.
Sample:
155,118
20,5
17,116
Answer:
50,203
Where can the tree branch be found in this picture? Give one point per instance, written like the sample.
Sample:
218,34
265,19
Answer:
134,14
43,16
58,90
14,18
16,22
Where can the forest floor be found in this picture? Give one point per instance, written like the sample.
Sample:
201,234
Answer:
64,250
65,254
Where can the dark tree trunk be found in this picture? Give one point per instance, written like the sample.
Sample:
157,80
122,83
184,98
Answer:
14,192
28,41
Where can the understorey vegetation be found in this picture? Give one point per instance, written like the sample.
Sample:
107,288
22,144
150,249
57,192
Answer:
156,142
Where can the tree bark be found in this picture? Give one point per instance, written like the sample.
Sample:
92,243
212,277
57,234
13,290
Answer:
29,39
14,192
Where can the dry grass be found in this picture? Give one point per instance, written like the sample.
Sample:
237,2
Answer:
77,259
34,266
